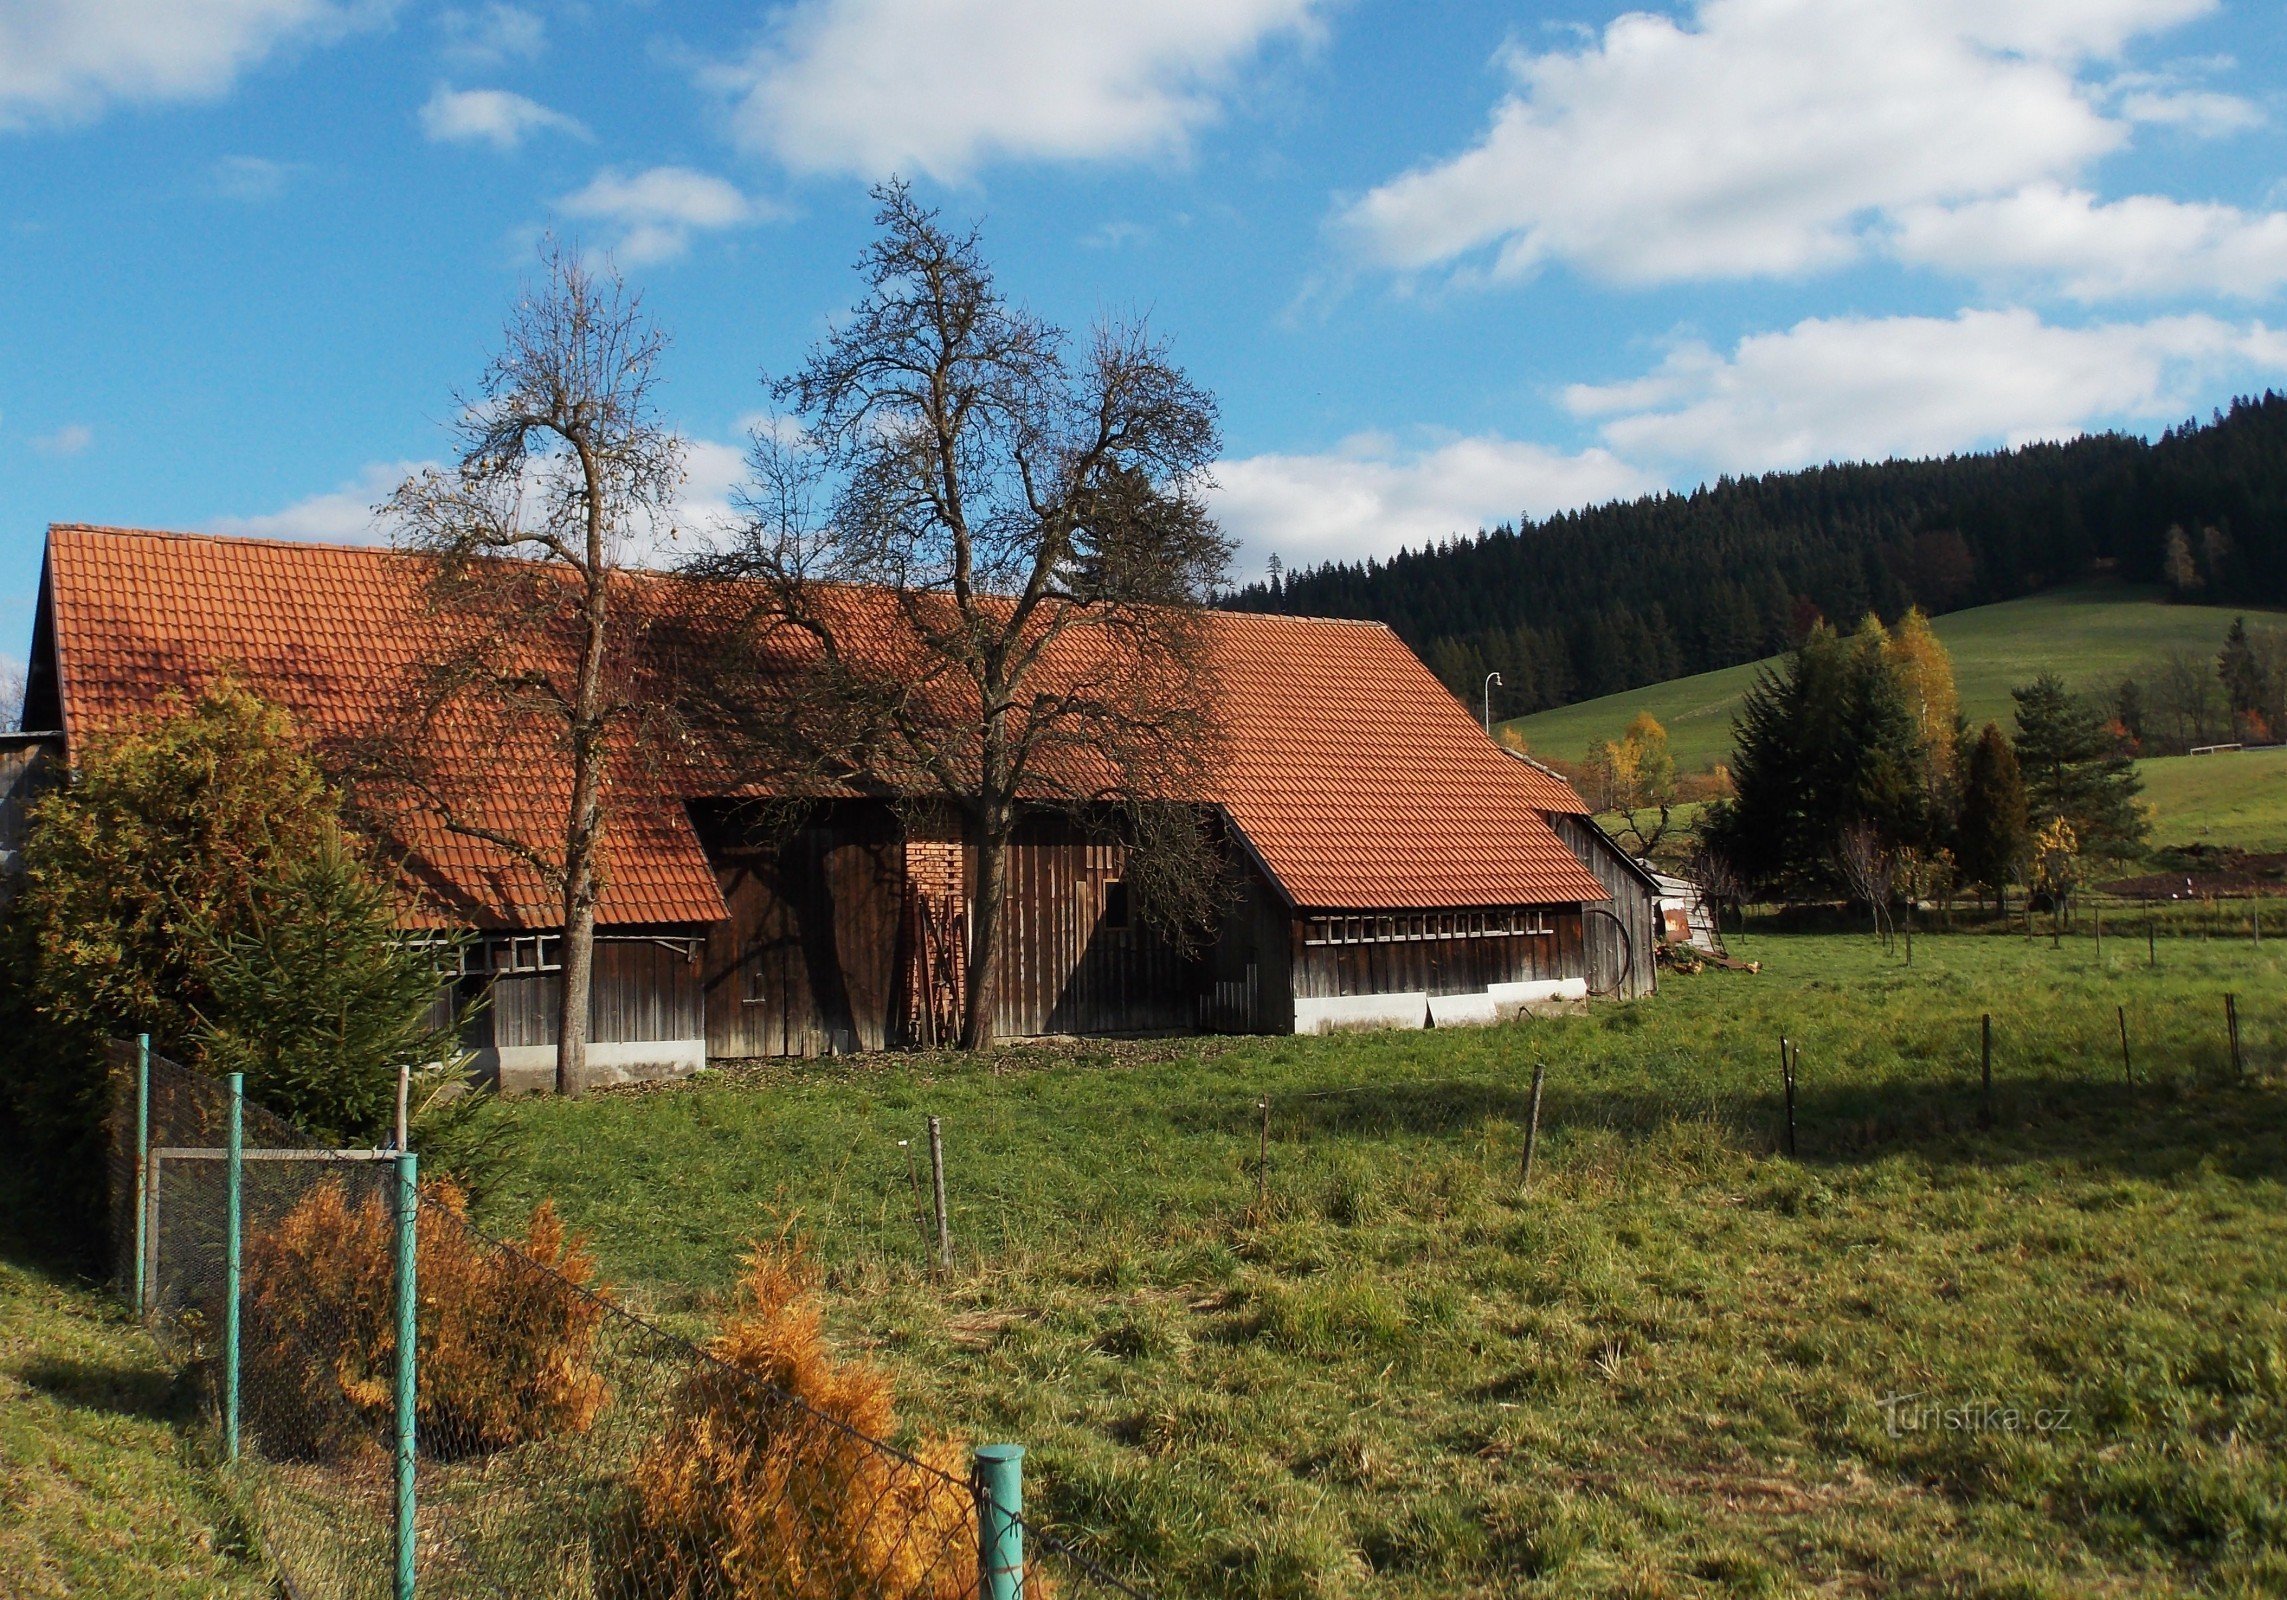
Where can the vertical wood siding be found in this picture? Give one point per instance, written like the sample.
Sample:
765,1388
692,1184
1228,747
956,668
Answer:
1439,966
1064,968
807,964
640,991
1619,952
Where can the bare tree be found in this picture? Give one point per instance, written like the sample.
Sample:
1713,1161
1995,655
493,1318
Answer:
564,464
1870,864
1027,532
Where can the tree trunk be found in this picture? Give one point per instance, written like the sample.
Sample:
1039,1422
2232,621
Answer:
577,979
583,830
985,933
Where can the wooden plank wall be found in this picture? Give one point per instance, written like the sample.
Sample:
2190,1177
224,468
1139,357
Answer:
1440,966
640,991
807,965
27,767
1063,969
809,962
1619,954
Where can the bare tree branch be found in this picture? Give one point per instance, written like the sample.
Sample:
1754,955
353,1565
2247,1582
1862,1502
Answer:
564,466
973,572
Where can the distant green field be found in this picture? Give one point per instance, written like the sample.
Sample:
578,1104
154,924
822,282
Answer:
2086,635
2238,799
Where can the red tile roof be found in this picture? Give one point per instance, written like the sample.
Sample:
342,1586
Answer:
1363,784
1557,795
1357,779
334,633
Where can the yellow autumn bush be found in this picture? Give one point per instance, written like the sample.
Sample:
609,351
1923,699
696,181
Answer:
765,1482
507,1335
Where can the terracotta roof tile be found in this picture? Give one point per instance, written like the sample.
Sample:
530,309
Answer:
1363,784
1557,795
330,632
1358,780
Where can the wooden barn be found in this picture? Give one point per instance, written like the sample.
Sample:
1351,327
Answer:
1624,933
1394,867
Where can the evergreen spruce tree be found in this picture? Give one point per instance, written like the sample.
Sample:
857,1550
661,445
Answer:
1990,839
2242,676
2075,768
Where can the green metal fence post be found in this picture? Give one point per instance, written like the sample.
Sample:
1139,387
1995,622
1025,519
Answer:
1000,1535
142,1169
408,1332
234,1158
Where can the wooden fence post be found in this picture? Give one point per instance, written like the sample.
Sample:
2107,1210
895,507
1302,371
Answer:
1985,1109
1533,1127
2151,944
408,1391
233,1238
937,1193
2127,1071
2231,1023
1787,1058
1263,1166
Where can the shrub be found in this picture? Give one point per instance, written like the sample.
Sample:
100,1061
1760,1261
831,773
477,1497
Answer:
193,881
766,1481
507,1335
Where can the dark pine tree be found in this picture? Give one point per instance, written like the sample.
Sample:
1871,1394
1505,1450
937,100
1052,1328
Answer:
2075,768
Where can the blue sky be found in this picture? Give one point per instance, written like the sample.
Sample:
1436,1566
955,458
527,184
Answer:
1442,264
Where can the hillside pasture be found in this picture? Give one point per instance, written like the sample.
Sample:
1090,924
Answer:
2236,798
2088,636
2031,1346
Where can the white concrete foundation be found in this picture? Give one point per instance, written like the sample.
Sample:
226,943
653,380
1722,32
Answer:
1548,997
1353,1013
1461,1010
531,1068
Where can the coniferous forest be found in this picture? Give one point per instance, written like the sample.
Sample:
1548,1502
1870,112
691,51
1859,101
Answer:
1591,602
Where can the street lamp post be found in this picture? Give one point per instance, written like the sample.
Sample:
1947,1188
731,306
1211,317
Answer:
1491,678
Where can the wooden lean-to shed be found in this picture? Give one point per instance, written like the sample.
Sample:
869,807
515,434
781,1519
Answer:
1390,865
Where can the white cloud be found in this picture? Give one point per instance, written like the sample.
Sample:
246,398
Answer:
939,87
1372,498
490,116
71,439
1851,388
2097,250
654,212
490,35
339,516
63,60
1764,136
253,180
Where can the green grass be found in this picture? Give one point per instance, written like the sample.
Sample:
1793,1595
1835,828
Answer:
2238,798
2084,635
102,1490
1659,1373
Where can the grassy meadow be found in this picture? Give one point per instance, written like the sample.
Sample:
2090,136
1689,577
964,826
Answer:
104,1490
2086,636
2032,1346
2237,798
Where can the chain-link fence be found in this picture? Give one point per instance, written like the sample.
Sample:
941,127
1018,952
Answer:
508,1428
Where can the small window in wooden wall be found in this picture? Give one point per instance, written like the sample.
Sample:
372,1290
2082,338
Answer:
1116,904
